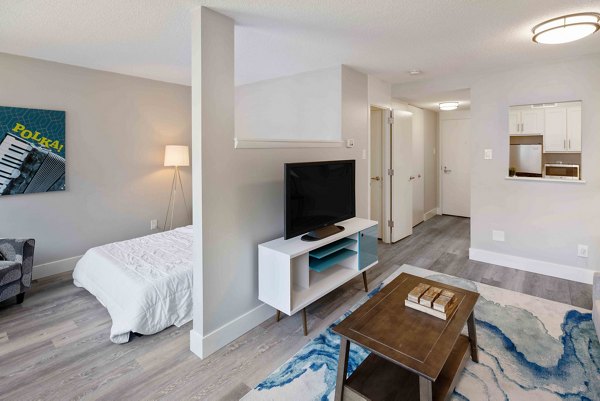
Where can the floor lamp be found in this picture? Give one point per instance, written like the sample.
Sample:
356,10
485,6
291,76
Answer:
176,156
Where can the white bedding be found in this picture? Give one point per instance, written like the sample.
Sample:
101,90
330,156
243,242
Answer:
145,283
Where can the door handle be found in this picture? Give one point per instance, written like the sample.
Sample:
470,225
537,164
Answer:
446,170
376,178
411,178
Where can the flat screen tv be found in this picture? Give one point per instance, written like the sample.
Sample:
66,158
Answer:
318,195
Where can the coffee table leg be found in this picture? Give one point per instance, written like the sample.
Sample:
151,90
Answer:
342,367
473,337
425,389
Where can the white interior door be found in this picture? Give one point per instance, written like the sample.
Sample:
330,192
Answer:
401,155
455,136
418,166
376,160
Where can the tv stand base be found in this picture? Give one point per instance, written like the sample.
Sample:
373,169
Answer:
322,233
304,324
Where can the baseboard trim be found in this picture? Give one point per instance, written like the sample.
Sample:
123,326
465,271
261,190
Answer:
204,346
196,343
52,268
566,272
430,214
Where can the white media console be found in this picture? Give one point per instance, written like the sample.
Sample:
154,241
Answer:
293,273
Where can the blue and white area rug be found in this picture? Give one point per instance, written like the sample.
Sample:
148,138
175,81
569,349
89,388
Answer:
529,349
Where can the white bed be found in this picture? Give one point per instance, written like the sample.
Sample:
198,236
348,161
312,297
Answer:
145,283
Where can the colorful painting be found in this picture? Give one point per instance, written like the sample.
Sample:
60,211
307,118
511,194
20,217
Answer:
32,150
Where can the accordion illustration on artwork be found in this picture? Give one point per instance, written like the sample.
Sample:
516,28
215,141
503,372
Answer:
32,150
26,168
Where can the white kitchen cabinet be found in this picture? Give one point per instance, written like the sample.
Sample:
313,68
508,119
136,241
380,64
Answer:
574,129
555,134
514,122
532,122
526,121
563,129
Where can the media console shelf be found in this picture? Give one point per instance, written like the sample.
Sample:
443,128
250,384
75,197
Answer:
293,273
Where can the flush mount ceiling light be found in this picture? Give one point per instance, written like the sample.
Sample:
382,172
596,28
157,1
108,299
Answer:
447,106
567,28
415,72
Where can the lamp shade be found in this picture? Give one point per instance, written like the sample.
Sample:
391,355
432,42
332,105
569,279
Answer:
176,155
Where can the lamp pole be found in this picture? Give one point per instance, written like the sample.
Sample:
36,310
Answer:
175,156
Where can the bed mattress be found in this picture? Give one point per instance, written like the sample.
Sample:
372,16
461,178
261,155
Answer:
145,283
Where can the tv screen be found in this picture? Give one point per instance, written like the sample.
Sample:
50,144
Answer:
317,195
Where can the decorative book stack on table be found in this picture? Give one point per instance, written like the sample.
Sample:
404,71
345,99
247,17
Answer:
432,300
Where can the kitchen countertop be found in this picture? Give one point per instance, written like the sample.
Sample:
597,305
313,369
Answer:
545,179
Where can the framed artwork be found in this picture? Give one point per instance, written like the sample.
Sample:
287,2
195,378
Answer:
32,150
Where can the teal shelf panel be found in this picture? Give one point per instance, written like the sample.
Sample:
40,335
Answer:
331,248
332,259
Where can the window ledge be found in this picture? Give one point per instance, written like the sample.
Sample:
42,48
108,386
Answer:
567,181
284,143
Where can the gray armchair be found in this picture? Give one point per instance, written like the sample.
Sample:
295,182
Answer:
16,263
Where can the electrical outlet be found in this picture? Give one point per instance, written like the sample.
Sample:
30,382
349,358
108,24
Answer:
153,224
498,235
487,154
582,251
349,143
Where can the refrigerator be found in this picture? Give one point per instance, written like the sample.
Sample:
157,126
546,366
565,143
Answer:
526,159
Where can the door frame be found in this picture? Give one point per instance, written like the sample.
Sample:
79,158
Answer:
450,115
386,179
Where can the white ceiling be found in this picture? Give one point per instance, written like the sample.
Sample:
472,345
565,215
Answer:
386,38
432,101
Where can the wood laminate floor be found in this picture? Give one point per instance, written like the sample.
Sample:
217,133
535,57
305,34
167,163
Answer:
55,345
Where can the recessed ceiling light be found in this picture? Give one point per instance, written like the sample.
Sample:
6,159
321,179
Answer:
567,28
446,106
415,72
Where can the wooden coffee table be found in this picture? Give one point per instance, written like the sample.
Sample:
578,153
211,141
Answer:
413,355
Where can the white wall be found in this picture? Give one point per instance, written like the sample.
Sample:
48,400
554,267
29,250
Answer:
116,130
380,92
454,114
543,221
240,191
303,106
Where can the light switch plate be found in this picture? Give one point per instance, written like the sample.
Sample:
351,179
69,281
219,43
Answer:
498,235
487,154
364,154
350,143
582,251
153,224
